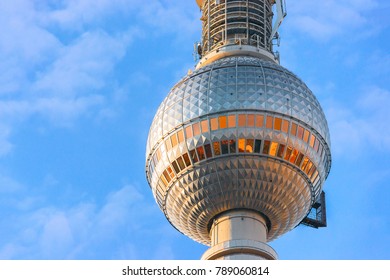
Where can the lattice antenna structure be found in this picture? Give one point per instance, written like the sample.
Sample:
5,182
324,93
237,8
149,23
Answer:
239,150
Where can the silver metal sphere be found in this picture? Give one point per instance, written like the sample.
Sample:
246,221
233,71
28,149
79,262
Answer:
239,133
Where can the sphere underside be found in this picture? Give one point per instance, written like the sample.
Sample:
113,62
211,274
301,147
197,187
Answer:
240,132
267,186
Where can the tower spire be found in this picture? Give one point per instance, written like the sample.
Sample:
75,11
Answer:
239,27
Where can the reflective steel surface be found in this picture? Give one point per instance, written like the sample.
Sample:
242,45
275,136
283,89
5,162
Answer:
240,132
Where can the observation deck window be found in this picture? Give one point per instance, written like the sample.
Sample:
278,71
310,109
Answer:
266,146
241,120
281,150
249,146
251,120
257,146
278,124
189,132
205,126
222,122
232,146
196,129
208,151
225,147
273,148
285,126
259,120
201,154
217,148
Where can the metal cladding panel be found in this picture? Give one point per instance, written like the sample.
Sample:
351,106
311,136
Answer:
273,189
221,163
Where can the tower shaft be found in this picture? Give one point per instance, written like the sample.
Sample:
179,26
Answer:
239,235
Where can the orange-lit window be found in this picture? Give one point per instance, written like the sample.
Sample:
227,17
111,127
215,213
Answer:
181,163
166,176
241,145
300,132
257,146
312,139
306,136
266,147
288,153
196,129
222,122
168,143
214,123
285,126
175,166
174,140
241,120
308,166
186,159
294,129
162,178
281,150
189,131
217,148
304,164
205,126
278,124
194,156
251,120
273,149
225,147
232,121
232,146
180,135
201,154
293,156
316,145
299,159
207,149
170,172
259,120
311,171
269,122
249,146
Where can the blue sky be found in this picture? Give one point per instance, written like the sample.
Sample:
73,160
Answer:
80,81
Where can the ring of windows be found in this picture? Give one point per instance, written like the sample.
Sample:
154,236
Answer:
231,121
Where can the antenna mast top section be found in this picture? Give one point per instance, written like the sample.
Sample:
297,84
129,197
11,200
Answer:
239,27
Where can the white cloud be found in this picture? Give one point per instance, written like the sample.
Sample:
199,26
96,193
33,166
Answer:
324,20
362,127
59,58
53,232
75,14
8,185
5,145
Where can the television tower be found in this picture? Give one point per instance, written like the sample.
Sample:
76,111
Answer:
239,150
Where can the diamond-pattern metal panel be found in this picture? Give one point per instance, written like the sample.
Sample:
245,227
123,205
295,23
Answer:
277,191
277,188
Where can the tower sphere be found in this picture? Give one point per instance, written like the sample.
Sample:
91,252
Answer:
239,150
240,133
